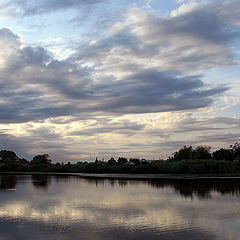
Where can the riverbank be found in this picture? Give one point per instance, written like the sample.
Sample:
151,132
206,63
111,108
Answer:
131,176
187,167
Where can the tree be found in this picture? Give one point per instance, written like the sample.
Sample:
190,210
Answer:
41,159
185,153
236,150
223,154
10,160
112,161
202,152
122,160
23,161
136,161
6,155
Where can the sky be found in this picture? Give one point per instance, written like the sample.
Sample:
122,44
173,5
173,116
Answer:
81,79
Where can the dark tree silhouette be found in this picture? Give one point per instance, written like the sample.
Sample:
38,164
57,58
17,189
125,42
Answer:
8,155
236,150
122,160
202,152
136,161
41,159
185,153
223,154
112,161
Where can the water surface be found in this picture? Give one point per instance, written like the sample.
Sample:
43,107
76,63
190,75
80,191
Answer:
44,207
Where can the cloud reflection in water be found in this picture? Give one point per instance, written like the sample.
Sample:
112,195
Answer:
60,207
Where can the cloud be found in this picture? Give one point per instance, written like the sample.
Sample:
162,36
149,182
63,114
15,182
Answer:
152,91
229,11
35,86
184,8
30,7
10,43
102,137
10,142
195,40
39,140
206,124
125,127
142,64
219,138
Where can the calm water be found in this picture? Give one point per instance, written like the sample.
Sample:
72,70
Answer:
41,207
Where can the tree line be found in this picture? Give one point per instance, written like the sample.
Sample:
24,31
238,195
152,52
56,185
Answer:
203,152
186,160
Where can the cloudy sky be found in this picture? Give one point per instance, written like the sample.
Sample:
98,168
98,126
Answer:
87,78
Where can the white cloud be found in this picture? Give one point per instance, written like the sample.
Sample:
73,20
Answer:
10,44
184,8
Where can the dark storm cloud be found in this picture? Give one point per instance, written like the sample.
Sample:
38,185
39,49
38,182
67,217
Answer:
151,91
202,23
32,111
33,56
30,7
35,86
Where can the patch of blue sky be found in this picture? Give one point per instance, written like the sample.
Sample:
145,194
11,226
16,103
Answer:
164,7
236,50
83,21
224,75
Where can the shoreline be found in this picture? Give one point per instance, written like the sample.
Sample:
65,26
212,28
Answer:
132,176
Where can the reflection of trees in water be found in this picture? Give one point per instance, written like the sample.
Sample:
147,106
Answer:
201,188
41,181
122,183
102,181
8,182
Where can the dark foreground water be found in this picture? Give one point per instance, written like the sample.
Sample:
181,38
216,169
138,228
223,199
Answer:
43,207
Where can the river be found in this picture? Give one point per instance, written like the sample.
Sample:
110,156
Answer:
61,207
